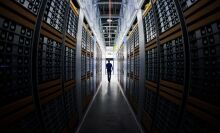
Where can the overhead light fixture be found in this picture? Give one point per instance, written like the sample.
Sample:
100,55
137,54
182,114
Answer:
109,20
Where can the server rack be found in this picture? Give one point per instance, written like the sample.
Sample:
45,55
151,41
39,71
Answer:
87,60
177,102
52,107
132,79
167,101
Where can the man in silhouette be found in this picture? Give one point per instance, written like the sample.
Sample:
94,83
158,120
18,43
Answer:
109,70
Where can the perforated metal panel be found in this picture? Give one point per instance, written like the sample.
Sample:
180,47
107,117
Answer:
172,61
15,61
150,101
72,24
31,5
149,26
166,116
54,13
185,4
54,115
49,59
166,14
205,63
70,63
151,64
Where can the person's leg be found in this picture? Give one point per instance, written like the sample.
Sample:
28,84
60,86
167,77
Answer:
108,75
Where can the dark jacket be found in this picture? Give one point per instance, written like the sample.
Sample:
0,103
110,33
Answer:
109,66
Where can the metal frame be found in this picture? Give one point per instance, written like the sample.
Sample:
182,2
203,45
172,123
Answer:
125,65
91,16
113,16
63,55
34,65
78,62
35,43
187,64
158,62
94,63
142,64
104,5
125,26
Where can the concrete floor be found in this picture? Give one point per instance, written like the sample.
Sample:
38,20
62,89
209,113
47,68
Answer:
109,112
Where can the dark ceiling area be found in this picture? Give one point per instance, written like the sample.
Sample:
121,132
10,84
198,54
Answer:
110,26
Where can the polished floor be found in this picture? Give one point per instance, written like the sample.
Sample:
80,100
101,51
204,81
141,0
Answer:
109,113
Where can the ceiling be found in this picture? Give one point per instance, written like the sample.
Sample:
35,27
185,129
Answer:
108,29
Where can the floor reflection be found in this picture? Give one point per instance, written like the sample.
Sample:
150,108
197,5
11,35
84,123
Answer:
109,112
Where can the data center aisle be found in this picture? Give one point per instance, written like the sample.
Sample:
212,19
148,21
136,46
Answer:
109,112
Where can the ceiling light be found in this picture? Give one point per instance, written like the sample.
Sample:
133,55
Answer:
109,20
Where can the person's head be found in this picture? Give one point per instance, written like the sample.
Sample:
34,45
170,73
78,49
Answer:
108,61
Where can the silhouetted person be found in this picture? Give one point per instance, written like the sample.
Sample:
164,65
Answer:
109,70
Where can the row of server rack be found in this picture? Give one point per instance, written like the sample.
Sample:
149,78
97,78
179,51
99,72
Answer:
178,96
120,68
133,57
38,66
88,80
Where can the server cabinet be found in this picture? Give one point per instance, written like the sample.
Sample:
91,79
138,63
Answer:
70,61
15,60
132,79
49,60
87,59
83,64
166,14
149,26
32,6
169,92
54,14
22,108
72,24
